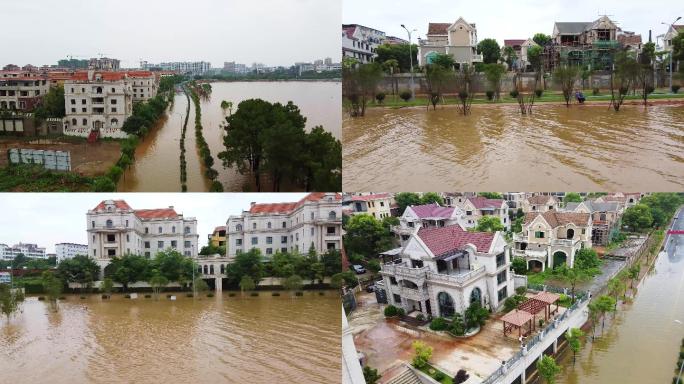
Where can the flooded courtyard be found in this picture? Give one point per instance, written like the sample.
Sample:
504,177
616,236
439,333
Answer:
495,148
157,162
222,339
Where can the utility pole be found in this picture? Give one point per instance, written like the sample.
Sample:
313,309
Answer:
671,26
413,94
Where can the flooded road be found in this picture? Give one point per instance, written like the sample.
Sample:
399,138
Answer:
495,148
643,343
157,163
221,340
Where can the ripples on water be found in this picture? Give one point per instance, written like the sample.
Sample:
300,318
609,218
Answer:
234,340
496,148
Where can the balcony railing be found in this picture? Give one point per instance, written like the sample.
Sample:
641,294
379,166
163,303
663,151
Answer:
458,279
413,294
564,242
404,271
398,229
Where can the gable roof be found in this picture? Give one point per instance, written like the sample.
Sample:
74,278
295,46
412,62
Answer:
607,206
513,42
481,202
150,214
447,239
289,207
539,199
438,28
557,218
432,210
629,39
119,204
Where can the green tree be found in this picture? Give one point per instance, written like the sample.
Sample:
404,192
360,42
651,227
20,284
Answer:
293,283
107,286
364,234
400,53
360,83
494,73
78,269
53,104
437,78
246,263
534,56
405,199
572,276
605,304
246,284
371,375
509,56
572,197
616,288
633,273
332,262
173,265
638,217
373,266
519,265
490,51
491,195
541,39
422,354
565,76
158,282
390,66
53,288
489,224
431,198
574,337
587,260
548,369
128,269
199,286
10,300
322,161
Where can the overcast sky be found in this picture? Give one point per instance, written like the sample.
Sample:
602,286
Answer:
517,19
274,32
50,218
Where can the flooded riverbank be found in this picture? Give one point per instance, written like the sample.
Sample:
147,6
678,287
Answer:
222,339
496,148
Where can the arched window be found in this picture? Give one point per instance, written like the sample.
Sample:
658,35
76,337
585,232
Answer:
211,269
269,225
110,224
446,304
206,270
332,215
476,296
159,230
99,90
74,122
223,269
238,228
571,233
114,122
85,122
187,230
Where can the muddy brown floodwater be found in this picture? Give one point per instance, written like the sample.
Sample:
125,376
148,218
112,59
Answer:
495,148
213,340
157,163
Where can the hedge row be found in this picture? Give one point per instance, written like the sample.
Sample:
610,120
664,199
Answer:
202,146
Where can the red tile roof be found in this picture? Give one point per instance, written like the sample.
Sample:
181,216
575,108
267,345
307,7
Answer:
289,207
371,197
139,73
119,204
432,210
629,39
453,237
539,199
512,42
163,213
111,75
438,28
482,202
221,228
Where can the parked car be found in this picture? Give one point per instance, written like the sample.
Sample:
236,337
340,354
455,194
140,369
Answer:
359,269
370,288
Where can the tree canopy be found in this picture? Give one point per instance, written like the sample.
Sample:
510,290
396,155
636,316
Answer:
489,224
541,38
490,51
399,53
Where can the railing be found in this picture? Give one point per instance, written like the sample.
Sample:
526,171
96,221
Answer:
404,271
402,230
564,242
456,279
518,237
413,294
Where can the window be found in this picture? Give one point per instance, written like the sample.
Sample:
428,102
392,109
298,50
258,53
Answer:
393,280
187,230
469,213
73,110
283,250
85,121
126,223
110,224
93,223
332,215
238,242
312,215
269,251
284,224
147,244
73,101
111,238
84,110
113,90
238,228
253,225
268,225
147,230
128,238
312,231
173,229
83,101
331,230
500,260
94,252
539,234
503,293
187,244
255,240
397,298
174,244
269,240
283,239
111,252
73,121
160,244
147,255
113,101
501,277
159,230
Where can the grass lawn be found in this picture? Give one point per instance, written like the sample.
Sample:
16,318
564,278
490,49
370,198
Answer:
30,178
429,368
393,101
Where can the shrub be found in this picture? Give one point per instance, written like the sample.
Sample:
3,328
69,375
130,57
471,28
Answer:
127,296
299,293
439,376
168,295
380,97
461,376
231,294
439,324
675,88
41,298
514,93
490,95
457,325
321,293
420,316
105,297
463,95
391,311
649,89
541,323
83,297
189,295
564,300
405,95
595,91
521,290
624,90
539,92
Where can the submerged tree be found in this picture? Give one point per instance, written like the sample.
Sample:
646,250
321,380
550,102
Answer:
548,369
464,86
565,75
53,287
494,73
437,77
10,300
624,71
645,74
359,83
574,337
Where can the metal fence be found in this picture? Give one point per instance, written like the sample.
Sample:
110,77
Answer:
54,160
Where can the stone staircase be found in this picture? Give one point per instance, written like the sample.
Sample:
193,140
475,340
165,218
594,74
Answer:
405,377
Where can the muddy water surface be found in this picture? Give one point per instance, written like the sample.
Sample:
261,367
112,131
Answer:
495,148
212,340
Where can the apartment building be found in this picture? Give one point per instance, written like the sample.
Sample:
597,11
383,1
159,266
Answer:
116,229
315,220
443,270
69,250
29,250
360,42
22,90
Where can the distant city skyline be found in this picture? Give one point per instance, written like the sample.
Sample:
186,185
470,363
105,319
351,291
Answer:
50,218
509,20
172,30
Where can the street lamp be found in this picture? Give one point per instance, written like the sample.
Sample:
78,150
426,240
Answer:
413,95
11,277
671,25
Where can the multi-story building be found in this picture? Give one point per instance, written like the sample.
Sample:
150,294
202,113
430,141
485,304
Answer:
416,217
183,67
458,39
474,208
672,32
104,64
514,200
540,203
444,270
520,47
22,90
582,43
315,220
69,250
378,205
552,238
624,200
360,42
605,219
218,237
27,249
102,101
116,229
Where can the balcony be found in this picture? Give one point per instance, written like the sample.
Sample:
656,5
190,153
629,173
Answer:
519,238
606,44
457,278
399,270
564,242
414,294
399,230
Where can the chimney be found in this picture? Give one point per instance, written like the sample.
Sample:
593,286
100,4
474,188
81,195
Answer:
649,35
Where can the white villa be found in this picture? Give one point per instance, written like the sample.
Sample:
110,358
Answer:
552,238
416,217
443,270
458,39
474,208
540,203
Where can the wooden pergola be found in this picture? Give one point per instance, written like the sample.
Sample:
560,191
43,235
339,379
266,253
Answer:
517,319
547,298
